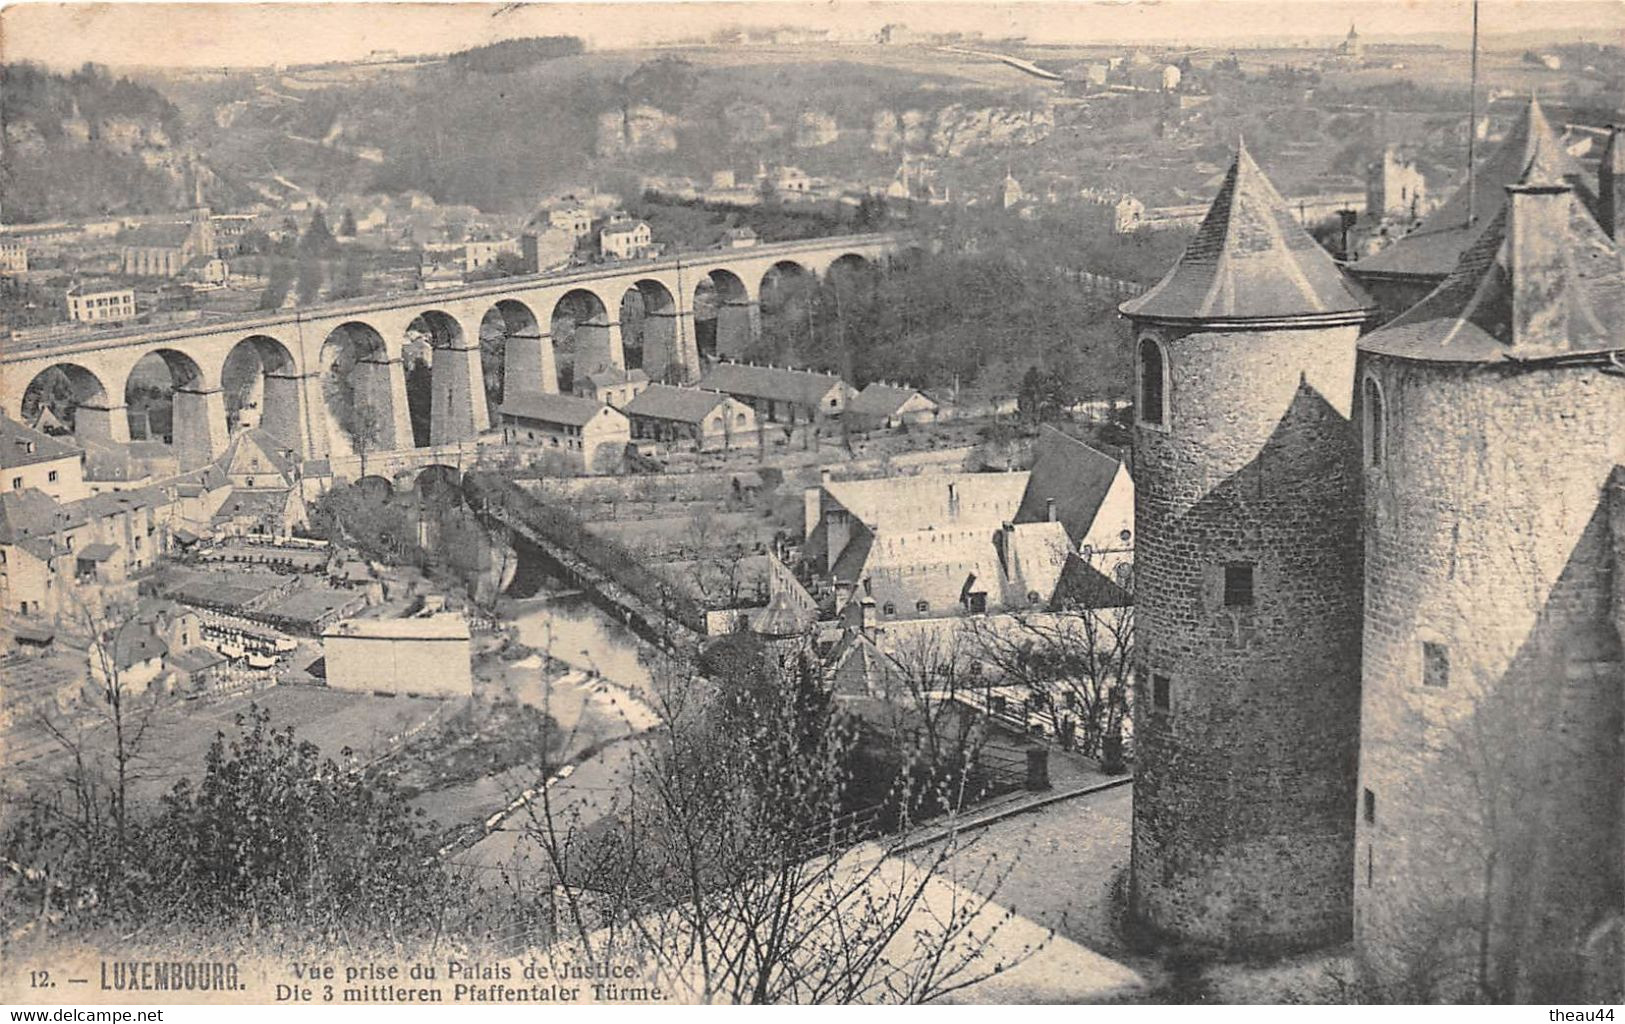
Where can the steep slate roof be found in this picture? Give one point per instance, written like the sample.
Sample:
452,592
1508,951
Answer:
780,619
25,513
565,409
1074,475
665,402
163,236
253,446
16,440
1531,148
1251,262
802,387
1469,317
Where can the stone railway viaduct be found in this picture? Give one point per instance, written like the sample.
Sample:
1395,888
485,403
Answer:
295,349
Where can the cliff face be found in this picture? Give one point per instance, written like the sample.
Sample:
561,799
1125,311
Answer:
123,141
956,129
636,131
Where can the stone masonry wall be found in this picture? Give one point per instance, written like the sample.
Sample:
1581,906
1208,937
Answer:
1243,803
1495,799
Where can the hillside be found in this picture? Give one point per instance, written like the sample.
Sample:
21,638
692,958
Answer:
126,143
497,133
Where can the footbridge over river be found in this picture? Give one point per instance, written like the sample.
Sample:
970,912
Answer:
293,351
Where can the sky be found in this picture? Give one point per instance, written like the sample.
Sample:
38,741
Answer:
238,34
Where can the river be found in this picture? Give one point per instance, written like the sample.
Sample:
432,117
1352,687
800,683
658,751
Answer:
569,627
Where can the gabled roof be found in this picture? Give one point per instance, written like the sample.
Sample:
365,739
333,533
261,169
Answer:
257,502
880,399
25,513
1072,474
255,451
802,387
665,402
562,409
1432,250
1251,262
161,236
1472,315
22,445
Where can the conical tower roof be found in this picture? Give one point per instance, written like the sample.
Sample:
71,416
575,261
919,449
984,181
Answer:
1432,250
779,620
1549,286
1251,263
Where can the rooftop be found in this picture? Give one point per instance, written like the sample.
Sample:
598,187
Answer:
1541,282
1251,262
561,409
1073,475
1433,249
803,387
665,402
22,445
880,399
446,626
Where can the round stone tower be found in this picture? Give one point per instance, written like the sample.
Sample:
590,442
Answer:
1488,860
1247,583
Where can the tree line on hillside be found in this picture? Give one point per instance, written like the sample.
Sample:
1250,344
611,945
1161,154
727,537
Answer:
515,54
937,320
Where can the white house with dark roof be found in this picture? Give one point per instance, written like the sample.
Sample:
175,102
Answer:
33,458
613,387
588,435
710,420
884,406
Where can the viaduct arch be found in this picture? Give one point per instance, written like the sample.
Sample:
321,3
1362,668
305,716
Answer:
281,363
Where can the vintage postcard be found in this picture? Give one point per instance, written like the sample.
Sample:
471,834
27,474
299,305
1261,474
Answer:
774,502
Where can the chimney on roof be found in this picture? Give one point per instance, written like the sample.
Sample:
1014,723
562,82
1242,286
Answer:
1537,230
1049,509
1611,185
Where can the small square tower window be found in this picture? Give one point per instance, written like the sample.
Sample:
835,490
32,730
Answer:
1160,697
1238,585
1435,665
1370,807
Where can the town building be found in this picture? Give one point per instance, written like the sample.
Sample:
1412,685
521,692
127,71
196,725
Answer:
546,249
1246,583
574,218
96,302
612,387
779,394
13,256
1116,213
739,238
1395,187
32,459
422,656
931,546
485,252
588,435
625,239
792,181
709,420
884,406
167,249
1010,193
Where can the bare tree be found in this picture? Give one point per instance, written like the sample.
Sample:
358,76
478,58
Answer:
1074,665
731,872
